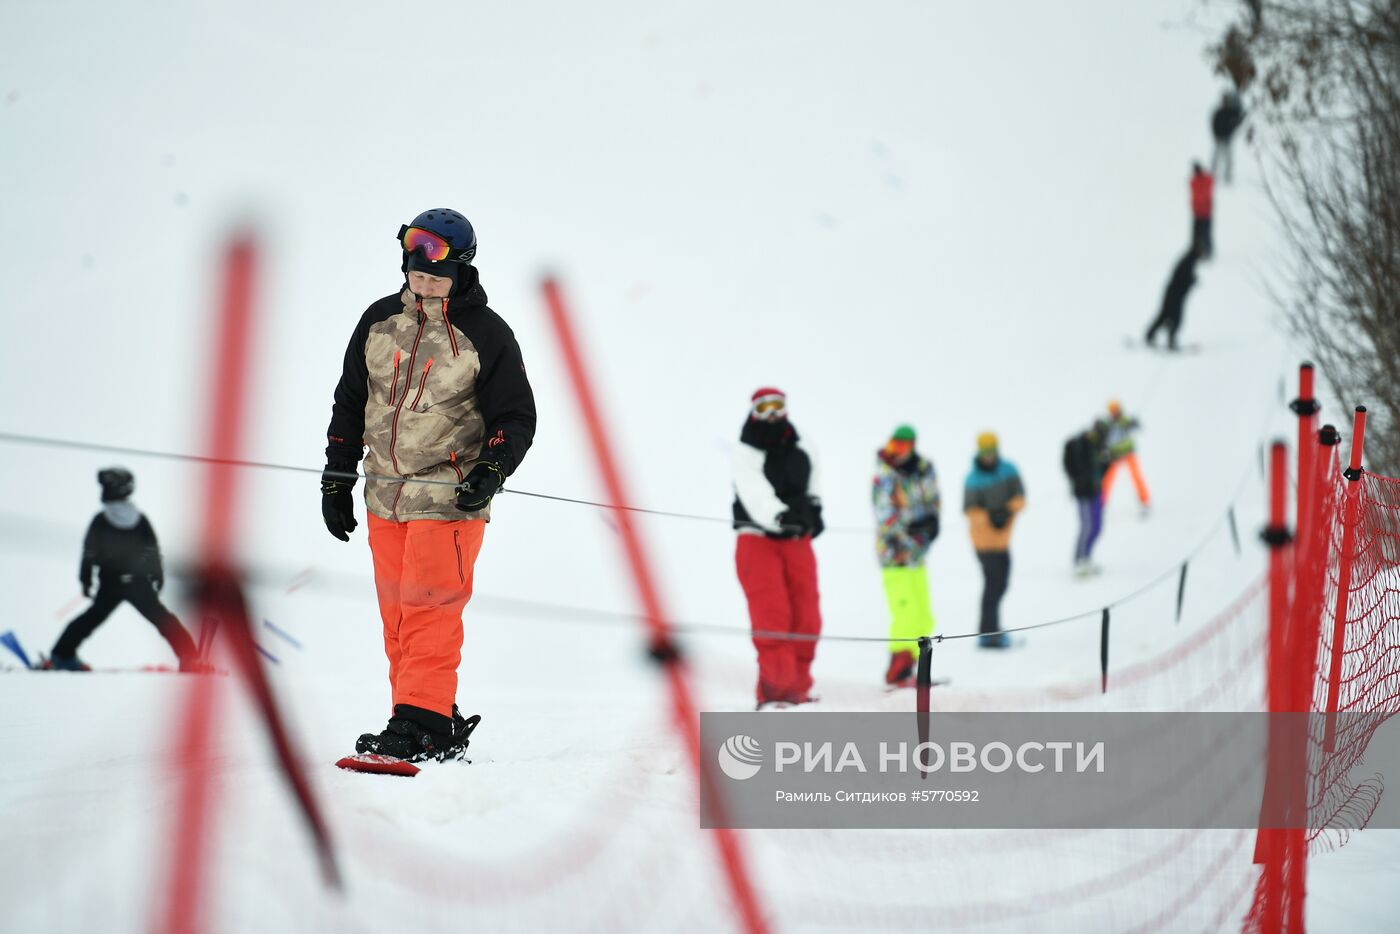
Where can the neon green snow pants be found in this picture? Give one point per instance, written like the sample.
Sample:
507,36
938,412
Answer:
911,614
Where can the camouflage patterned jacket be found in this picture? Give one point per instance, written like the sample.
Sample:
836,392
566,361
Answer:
430,387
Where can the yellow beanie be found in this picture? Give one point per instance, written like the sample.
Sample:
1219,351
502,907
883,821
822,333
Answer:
987,441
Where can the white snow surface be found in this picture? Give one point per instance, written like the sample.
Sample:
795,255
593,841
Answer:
943,214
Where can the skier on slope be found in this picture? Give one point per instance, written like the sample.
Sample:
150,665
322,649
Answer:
1085,458
121,545
992,496
777,514
1202,209
1223,124
1122,454
1174,301
906,500
435,389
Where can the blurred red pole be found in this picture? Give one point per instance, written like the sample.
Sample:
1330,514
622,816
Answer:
184,886
1305,407
682,704
1339,619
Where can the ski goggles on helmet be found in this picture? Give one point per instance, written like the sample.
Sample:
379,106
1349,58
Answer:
434,247
770,408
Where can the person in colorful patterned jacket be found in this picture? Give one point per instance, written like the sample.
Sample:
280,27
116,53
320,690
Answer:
905,496
121,546
777,513
434,396
1122,454
992,496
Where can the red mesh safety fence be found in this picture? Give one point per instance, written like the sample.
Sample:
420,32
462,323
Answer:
1345,661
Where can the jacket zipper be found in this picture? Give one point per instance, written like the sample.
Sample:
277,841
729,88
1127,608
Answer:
393,387
394,424
448,324
452,459
457,543
423,381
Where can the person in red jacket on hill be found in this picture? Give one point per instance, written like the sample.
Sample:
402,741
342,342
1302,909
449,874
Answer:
1202,203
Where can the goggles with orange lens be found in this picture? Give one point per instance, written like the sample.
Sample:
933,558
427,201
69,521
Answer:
897,448
769,409
434,247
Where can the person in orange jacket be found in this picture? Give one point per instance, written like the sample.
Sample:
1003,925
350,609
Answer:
992,496
1122,455
434,396
1202,206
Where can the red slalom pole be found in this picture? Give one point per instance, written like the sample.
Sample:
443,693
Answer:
220,607
663,648
184,886
1350,517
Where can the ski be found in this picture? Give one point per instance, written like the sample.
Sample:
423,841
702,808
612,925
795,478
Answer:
11,641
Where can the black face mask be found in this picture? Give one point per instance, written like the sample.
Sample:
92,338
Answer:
765,434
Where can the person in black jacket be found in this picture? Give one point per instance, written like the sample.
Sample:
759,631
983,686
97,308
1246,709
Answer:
777,513
434,396
1223,124
1085,458
121,545
1174,300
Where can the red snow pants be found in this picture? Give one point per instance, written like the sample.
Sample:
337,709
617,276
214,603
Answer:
779,577
423,575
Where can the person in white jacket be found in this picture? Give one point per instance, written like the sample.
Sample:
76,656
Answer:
777,514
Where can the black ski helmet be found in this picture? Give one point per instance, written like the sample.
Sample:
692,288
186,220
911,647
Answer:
117,483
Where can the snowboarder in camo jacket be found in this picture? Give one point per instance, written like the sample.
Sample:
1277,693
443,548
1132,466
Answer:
434,396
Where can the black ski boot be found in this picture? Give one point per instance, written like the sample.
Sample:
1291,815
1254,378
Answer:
413,734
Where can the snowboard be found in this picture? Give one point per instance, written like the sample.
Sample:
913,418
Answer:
913,683
371,763
1137,343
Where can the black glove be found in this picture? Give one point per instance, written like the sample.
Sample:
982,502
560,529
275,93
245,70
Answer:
925,527
483,482
794,523
999,517
338,500
86,581
158,581
818,526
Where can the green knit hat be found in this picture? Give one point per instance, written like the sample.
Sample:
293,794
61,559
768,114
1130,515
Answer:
903,433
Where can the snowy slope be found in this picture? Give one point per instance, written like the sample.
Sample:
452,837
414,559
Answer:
942,214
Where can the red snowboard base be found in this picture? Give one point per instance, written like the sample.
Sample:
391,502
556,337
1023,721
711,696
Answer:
375,764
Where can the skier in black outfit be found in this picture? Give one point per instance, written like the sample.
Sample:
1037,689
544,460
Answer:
1174,300
121,544
1223,124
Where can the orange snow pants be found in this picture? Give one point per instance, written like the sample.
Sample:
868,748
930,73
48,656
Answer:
423,575
1135,471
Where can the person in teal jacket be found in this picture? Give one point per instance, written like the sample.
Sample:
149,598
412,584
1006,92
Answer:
992,497
906,500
